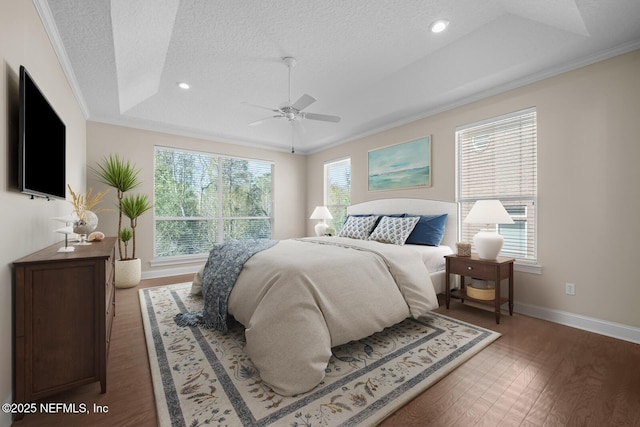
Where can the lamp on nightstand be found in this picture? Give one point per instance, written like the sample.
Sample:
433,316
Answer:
488,242
322,214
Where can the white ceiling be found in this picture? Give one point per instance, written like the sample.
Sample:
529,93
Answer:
374,63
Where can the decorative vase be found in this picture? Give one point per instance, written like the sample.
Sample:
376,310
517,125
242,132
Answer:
85,226
128,273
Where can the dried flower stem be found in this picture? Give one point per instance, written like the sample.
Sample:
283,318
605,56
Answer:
84,202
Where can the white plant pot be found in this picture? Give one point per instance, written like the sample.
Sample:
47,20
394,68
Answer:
128,273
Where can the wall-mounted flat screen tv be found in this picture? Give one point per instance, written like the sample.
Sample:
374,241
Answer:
41,150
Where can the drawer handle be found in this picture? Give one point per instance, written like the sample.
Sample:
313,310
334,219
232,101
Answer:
469,268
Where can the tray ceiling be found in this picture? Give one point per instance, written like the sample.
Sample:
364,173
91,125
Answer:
376,64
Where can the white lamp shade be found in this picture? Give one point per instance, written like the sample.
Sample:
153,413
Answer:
321,212
488,212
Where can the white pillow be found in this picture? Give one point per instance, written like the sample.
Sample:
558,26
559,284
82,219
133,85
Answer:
358,227
394,230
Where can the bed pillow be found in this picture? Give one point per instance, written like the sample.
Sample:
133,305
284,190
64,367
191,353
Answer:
358,227
394,230
379,217
428,231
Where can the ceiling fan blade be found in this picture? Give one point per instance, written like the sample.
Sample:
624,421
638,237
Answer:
321,117
275,110
258,122
304,101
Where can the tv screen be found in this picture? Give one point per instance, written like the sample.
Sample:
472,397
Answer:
41,166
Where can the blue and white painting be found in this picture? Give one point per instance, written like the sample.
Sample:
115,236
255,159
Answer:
401,165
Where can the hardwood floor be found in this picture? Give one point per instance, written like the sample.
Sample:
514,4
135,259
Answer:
538,373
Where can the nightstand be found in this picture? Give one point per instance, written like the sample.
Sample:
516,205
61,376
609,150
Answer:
494,270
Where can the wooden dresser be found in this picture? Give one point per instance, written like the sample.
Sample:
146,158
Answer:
64,303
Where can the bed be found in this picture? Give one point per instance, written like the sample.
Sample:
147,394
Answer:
298,298
435,255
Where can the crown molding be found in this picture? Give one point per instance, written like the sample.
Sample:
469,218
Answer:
42,7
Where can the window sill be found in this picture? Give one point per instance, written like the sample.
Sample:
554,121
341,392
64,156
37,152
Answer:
178,260
527,267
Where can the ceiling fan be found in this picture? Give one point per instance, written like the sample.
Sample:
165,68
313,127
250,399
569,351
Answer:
293,112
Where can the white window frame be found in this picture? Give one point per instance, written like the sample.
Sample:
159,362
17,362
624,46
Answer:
336,223
529,198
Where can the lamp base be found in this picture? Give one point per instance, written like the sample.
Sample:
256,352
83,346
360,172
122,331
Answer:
488,244
320,228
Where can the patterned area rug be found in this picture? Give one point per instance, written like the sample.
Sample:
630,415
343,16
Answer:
203,377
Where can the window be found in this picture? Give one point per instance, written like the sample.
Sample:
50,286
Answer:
201,199
496,159
337,190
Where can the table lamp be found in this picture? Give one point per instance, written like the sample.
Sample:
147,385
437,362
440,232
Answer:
321,213
488,242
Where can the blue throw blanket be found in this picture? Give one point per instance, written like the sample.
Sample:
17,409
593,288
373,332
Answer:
219,276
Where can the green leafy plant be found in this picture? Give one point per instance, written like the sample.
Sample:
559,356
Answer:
132,206
123,176
125,235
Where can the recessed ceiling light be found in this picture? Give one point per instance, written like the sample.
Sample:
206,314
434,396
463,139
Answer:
439,26
183,85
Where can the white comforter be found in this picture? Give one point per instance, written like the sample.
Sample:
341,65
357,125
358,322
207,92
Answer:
300,298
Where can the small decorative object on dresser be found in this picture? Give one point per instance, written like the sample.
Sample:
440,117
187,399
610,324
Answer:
464,248
85,220
63,303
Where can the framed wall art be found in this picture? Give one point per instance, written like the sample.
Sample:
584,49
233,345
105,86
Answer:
403,165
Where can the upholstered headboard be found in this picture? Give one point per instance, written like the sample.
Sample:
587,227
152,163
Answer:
414,207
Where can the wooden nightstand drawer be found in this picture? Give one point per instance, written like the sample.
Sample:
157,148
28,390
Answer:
469,268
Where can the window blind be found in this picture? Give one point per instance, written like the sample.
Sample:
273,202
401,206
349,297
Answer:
337,190
497,159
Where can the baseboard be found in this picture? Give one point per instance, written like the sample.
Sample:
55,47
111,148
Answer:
598,326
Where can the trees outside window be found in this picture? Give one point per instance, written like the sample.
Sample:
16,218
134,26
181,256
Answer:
202,199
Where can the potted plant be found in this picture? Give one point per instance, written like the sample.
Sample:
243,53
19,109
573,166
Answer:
129,268
124,176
